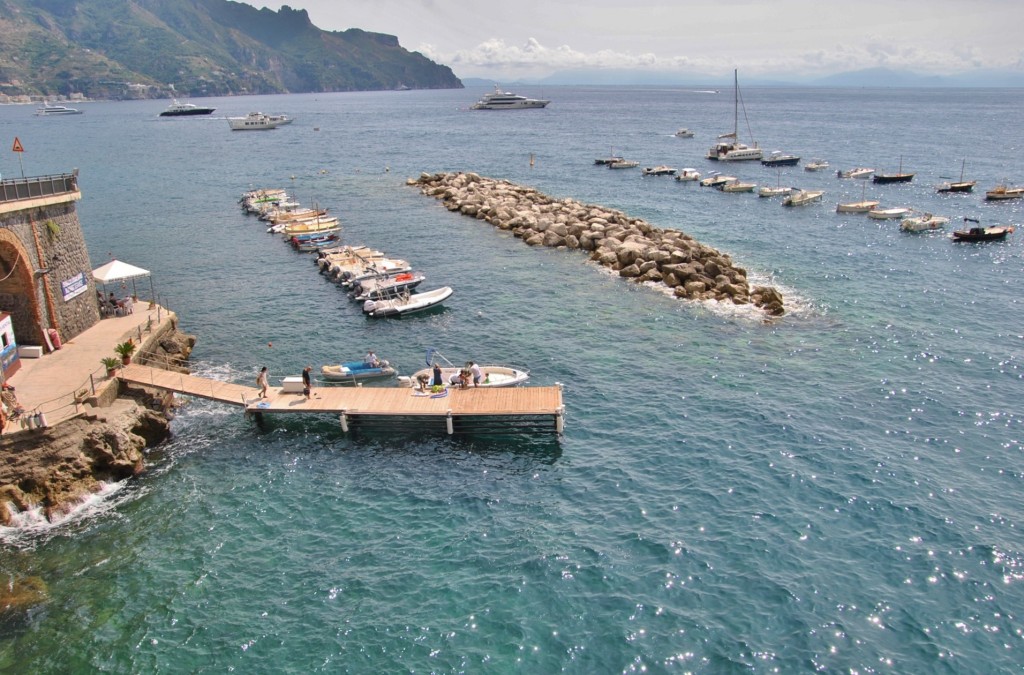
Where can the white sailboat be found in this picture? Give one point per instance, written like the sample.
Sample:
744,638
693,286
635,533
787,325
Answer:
729,148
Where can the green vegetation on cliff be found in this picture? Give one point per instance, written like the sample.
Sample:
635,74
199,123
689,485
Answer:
150,48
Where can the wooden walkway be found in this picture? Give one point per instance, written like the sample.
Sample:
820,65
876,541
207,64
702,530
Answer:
502,410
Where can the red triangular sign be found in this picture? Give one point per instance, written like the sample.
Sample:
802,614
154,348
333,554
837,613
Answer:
17,146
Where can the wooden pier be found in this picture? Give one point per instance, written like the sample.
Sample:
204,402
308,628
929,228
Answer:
473,410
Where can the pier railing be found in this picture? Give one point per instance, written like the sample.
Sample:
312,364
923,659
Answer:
16,189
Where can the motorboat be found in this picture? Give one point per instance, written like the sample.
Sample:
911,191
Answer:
308,245
779,158
49,110
887,214
923,222
737,186
816,165
624,164
715,179
348,275
506,100
386,286
979,233
860,172
354,372
256,121
688,174
611,159
898,177
407,303
341,254
779,191
177,109
318,225
684,133
1001,192
800,197
287,215
661,170
494,376
729,148
960,185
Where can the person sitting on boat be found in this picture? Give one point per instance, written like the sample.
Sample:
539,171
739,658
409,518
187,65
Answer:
371,359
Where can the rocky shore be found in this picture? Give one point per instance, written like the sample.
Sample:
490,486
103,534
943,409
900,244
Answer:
56,468
630,246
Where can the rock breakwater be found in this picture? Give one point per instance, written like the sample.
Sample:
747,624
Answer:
630,246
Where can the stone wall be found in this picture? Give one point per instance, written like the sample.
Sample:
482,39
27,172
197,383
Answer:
52,238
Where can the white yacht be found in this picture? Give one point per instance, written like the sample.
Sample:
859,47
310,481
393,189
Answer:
48,109
506,100
257,120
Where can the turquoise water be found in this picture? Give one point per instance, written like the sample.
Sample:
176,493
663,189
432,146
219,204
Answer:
838,490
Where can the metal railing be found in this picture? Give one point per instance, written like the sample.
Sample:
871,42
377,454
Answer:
16,189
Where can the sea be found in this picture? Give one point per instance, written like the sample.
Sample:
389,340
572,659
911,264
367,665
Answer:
837,490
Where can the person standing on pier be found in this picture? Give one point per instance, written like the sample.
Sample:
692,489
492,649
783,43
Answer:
262,383
307,383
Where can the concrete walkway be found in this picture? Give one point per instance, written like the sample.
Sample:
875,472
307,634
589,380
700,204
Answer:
50,384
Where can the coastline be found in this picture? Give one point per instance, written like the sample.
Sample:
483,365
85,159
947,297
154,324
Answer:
93,436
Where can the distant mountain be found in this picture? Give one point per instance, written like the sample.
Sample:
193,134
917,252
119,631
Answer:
872,77
147,48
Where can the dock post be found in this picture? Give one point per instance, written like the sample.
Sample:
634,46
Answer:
560,420
448,422
343,418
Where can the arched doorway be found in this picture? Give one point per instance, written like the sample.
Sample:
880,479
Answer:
17,290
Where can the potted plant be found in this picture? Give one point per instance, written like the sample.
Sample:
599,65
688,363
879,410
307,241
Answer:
111,364
125,351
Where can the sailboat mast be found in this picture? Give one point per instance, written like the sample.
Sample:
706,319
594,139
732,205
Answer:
736,104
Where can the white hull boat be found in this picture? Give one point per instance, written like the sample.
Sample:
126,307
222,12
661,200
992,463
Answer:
624,164
816,165
860,172
658,171
688,174
731,150
684,133
407,303
494,377
801,197
888,214
856,207
506,100
256,121
923,223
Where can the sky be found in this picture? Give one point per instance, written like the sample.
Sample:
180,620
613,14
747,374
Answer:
525,39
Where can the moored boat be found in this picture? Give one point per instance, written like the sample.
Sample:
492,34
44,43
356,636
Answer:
816,165
887,214
729,148
353,372
979,233
385,286
923,222
49,110
714,179
660,170
407,303
737,186
960,185
773,191
1002,192
494,376
688,174
779,158
624,164
860,172
856,207
801,197
684,133
898,177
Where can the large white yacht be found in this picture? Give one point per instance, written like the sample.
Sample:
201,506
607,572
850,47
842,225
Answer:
49,109
257,120
506,100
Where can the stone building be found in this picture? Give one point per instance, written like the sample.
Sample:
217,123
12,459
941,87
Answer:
45,273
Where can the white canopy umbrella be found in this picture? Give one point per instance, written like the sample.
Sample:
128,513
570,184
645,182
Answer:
115,270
